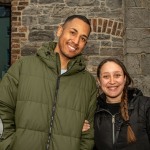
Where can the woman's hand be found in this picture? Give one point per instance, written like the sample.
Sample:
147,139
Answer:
86,126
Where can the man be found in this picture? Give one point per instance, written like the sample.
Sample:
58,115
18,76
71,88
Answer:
44,99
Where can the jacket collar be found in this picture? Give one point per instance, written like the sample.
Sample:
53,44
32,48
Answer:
47,55
132,93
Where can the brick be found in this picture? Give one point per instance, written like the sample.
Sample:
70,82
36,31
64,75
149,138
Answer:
100,22
104,25
16,23
24,3
110,23
18,35
114,28
108,30
94,24
22,29
15,45
14,18
16,13
15,51
15,40
21,7
14,29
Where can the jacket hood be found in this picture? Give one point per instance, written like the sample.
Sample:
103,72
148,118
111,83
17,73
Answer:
132,94
51,59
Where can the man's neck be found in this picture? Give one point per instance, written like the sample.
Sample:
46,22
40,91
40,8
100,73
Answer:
63,60
63,63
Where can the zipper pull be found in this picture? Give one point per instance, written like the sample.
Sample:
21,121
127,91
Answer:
113,119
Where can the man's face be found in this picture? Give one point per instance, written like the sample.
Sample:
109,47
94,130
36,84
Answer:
72,38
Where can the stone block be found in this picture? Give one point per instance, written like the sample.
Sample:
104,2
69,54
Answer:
138,38
50,1
143,83
103,37
47,20
133,64
93,36
92,48
32,10
145,64
28,50
82,2
63,11
41,36
114,4
29,20
33,1
137,18
117,42
111,51
136,50
138,3
105,44
93,62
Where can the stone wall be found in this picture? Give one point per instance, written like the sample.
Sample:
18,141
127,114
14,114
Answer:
137,42
119,29
36,21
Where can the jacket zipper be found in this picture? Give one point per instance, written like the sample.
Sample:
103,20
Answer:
113,128
53,114
113,124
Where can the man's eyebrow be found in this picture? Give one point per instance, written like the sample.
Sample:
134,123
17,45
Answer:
77,31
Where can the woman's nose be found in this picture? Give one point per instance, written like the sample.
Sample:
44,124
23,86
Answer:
112,80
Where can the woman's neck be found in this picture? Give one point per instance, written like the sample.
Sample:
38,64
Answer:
113,100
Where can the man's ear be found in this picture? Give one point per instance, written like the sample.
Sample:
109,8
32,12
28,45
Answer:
98,82
59,31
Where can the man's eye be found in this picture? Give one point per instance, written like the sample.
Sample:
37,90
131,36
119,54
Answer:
72,32
84,39
105,77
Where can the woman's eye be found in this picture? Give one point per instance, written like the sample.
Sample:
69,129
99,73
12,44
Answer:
117,75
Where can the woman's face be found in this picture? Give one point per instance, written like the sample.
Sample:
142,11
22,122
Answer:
112,81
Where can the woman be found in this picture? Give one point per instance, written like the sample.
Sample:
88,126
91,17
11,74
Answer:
122,118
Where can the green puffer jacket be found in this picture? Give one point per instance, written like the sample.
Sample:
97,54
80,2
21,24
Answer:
31,89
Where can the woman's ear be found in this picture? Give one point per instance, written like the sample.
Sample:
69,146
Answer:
59,31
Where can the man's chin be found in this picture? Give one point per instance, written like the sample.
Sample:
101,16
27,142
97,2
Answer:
71,56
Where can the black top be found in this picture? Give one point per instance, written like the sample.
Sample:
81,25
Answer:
113,108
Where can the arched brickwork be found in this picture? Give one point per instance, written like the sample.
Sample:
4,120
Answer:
108,26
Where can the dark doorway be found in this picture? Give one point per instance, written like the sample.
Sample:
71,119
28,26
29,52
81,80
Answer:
5,30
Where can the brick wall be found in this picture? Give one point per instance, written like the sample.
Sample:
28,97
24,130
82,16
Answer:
19,32
35,22
119,28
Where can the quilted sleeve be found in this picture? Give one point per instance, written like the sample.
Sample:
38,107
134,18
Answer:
87,139
8,96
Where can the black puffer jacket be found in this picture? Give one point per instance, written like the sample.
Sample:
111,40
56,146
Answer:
105,123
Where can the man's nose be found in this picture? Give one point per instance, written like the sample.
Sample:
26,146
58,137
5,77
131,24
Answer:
76,39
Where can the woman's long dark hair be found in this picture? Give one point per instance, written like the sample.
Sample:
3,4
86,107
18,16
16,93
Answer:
124,99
